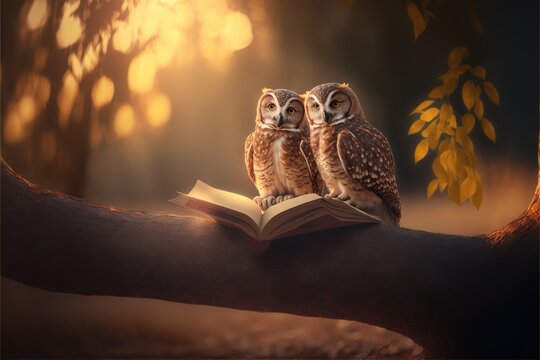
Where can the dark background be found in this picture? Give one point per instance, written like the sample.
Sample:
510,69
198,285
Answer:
296,45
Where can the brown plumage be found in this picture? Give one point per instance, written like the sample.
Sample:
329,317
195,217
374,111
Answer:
278,157
354,158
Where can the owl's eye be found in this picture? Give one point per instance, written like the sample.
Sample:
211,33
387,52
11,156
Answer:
315,106
291,110
271,106
335,104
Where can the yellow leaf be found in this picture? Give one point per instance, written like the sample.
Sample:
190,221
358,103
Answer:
491,92
452,121
416,127
460,70
442,185
446,111
479,72
421,150
468,122
445,145
477,197
469,94
460,135
432,187
433,138
479,108
456,56
430,129
451,85
429,114
422,106
438,92
419,23
488,128
467,189
438,170
453,192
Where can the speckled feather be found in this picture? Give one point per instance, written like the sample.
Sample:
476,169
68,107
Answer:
356,155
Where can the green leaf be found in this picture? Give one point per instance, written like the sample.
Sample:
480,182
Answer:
468,122
433,184
479,72
491,92
421,150
457,55
424,104
488,128
419,23
416,127
469,94
429,114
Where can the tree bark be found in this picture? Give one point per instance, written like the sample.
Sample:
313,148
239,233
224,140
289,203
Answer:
457,296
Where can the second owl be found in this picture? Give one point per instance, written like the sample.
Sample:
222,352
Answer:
278,156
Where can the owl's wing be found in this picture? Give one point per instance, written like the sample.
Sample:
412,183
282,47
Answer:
316,180
248,156
371,163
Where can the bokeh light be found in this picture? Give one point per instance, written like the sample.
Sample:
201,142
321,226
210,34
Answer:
158,109
141,73
124,120
37,15
237,33
70,28
66,97
102,92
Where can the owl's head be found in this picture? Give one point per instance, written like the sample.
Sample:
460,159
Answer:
280,109
331,103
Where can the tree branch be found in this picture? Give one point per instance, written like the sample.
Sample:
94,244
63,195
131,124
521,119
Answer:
457,296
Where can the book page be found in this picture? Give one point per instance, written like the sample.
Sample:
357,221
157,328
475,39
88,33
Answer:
227,199
286,206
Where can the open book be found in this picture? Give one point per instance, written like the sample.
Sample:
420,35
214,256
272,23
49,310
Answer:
303,214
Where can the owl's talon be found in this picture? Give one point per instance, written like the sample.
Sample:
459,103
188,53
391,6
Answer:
258,201
343,197
268,201
288,197
279,199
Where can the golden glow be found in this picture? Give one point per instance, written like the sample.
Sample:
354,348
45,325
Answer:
66,97
47,146
141,73
27,109
124,120
37,15
102,92
70,28
158,110
237,33
13,128
43,90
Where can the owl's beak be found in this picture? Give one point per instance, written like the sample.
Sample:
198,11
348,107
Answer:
327,116
279,120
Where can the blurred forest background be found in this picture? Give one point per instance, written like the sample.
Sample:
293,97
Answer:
127,101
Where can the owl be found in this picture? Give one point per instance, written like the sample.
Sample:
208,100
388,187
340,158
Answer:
278,155
353,157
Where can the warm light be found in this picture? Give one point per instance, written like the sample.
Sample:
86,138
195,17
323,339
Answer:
66,97
43,90
37,15
158,110
48,146
27,109
122,40
102,92
141,73
70,29
13,128
124,120
237,33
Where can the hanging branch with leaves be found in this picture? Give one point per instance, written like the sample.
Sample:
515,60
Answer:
445,129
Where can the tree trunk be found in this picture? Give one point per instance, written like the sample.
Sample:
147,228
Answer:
457,296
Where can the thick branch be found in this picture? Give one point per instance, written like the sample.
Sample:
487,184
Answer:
457,296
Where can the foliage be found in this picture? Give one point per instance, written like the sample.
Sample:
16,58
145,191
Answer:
446,130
